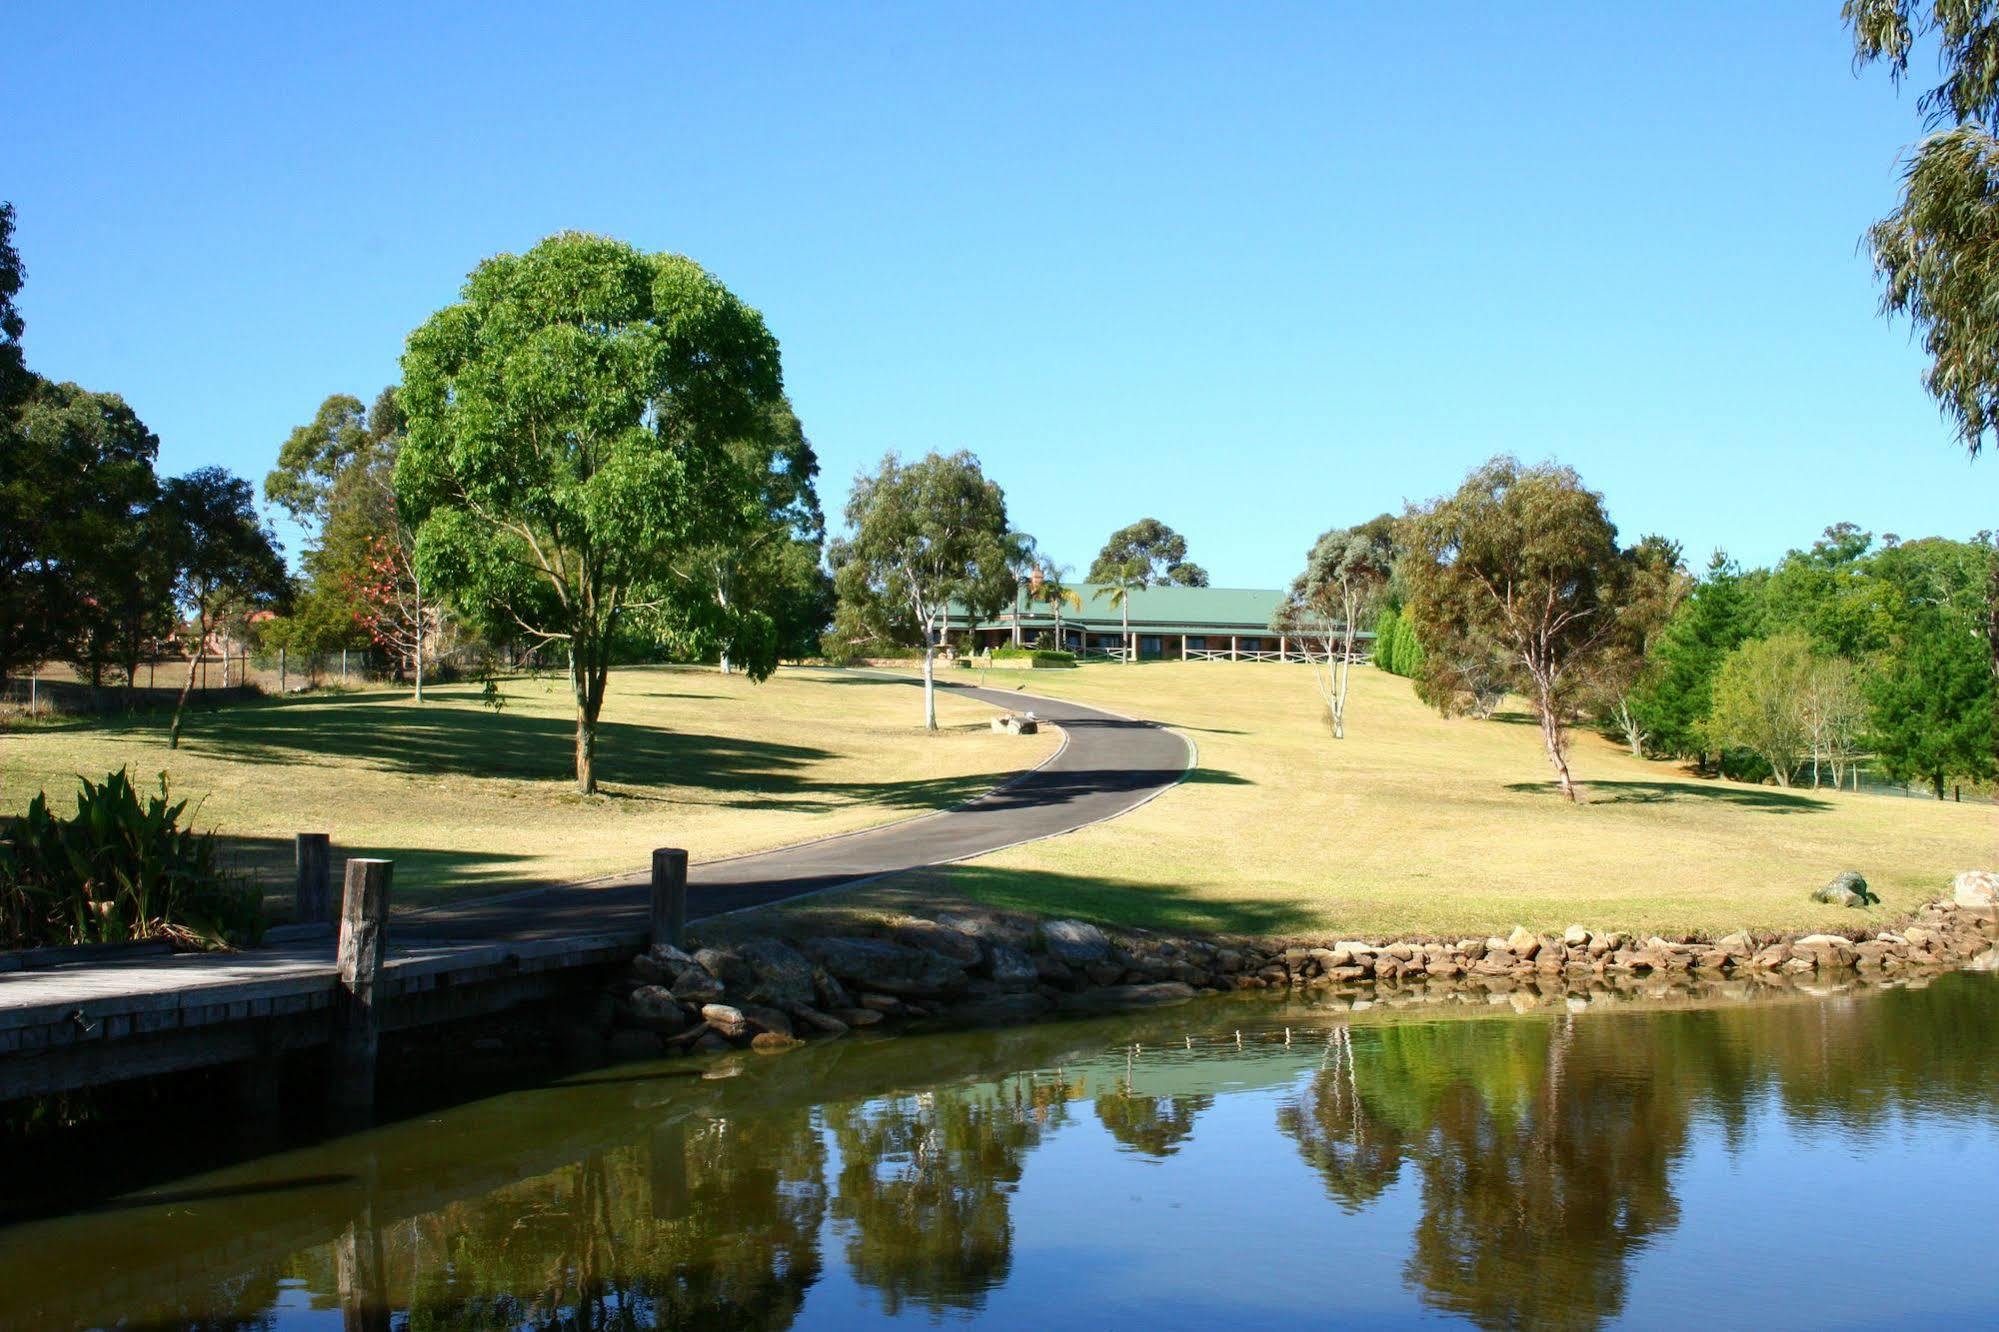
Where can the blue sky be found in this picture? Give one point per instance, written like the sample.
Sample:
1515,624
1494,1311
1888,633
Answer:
1255,270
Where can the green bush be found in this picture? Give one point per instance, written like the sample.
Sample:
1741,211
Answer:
1035,656
120,869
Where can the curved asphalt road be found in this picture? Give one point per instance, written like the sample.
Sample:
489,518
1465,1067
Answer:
1109,765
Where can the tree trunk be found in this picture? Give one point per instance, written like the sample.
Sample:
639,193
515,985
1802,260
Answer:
1936,780
1553,740
417,584
1781,773
588,665
724,663
187,686
929,681
1130,647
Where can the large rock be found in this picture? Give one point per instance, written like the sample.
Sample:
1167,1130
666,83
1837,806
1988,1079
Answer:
768,1019
1523,944
654,1008
779,973
1009,967
915,932
891,968
696,986
991,927
1075,943
1976,889
726,1019
725,966
1848,889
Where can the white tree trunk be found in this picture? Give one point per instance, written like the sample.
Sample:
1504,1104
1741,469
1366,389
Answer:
929,682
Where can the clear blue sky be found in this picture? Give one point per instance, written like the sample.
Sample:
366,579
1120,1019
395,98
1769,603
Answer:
1255,270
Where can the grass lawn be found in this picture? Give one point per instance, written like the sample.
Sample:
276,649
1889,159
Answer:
466,800
1416,824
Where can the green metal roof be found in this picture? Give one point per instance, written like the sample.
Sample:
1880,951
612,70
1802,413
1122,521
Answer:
1177,610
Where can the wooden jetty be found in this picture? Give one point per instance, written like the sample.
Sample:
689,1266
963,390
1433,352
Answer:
92,1020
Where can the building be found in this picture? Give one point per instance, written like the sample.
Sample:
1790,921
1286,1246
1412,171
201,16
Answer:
1188,623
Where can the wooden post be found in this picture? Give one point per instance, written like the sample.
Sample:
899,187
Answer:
669,896
310,900
364,918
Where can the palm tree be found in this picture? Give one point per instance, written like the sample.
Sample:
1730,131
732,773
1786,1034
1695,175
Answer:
1123,580
1055,591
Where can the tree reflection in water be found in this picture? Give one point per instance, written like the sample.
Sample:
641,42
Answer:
924,1185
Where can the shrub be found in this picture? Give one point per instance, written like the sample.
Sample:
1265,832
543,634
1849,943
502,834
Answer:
120,869
1035,656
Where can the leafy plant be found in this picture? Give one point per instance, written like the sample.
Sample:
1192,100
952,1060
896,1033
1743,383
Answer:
120,869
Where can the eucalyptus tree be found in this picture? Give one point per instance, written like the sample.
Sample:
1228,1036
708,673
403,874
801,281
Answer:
1526,560
1346,574
569,419
1159,553
923,535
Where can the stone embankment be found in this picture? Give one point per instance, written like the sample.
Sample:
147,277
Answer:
977,967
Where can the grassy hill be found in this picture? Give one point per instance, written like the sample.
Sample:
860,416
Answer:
1414,823
468,800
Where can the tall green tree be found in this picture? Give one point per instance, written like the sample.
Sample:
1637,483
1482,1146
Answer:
1933,716
568,419
765,595
1759,702
13,368
1118,583
923,535
224,559
1673,701
1157,551
1827,593
1659,583
1526,560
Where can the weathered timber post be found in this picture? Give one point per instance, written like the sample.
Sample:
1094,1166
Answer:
669,896
364,919
310,900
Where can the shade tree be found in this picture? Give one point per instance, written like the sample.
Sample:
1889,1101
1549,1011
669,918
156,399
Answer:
1659,583
569,419
921,536
1524,559
224,560
1149,551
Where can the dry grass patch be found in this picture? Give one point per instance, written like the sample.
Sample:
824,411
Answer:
1417,824
468,800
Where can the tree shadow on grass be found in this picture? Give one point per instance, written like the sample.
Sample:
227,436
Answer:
1675,793
423,874
1102,898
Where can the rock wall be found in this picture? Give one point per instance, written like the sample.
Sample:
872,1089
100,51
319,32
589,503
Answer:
982,967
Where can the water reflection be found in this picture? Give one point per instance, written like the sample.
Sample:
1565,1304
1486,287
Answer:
1543,1156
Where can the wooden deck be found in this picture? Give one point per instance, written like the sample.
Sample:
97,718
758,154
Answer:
98,1021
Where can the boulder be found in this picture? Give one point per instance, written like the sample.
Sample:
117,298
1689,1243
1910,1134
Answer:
807,1016
1976,889
1008,966
696,986
858,1017
779,973
830,993
1576,937
725,966
766,1019
1075,943
1522,944
654,1008
915,932
646,971
671,960
884,966
726,1019
1848,889
990,927
770,1042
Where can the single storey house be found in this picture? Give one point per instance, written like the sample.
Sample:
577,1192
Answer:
1188,623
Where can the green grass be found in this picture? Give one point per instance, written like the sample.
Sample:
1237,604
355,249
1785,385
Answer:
466,800
1415,824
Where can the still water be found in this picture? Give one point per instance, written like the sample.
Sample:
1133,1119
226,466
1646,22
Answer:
1789,1160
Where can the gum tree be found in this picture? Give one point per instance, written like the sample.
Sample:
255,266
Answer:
568,421
922,536
223,559
1526,560
1346,574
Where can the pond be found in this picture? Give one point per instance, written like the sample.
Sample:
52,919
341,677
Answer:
1787,1160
